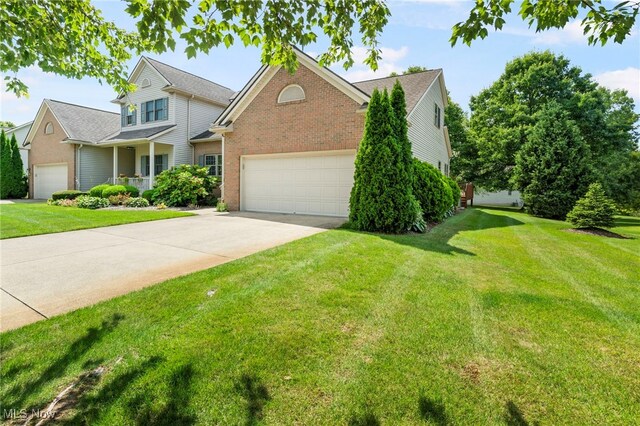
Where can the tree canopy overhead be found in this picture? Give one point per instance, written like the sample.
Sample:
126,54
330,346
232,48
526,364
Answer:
601,22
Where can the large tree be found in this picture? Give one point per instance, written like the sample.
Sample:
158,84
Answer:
503,114
553,167
72,37
463,161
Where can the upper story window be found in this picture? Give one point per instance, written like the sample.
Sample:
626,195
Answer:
156,110
48,128
437,117
128,115
291,93
145,83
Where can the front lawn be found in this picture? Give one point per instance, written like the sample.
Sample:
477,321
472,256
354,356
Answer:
493,317
22,219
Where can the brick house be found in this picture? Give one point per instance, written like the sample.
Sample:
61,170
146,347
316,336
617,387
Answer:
289,140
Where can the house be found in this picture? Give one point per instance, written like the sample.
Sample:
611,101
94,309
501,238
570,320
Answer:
289,140
497,198
20,132
164,122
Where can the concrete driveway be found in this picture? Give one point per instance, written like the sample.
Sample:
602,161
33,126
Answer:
47,275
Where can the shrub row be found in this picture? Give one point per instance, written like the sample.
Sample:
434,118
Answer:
107,190
436,193
70,194
89,202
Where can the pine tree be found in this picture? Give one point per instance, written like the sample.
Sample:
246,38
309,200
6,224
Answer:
5,167
594,210
18,184
553,167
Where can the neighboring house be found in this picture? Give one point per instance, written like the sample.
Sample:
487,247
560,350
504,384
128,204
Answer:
63,154
290,140
20,132
163,123
497,198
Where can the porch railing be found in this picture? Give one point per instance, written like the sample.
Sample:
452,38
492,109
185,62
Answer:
142,183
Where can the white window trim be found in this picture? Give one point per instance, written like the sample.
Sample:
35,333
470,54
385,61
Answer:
145,82
48,128
304,95
220,165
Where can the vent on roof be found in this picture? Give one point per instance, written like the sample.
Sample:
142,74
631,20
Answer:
145,83
291,93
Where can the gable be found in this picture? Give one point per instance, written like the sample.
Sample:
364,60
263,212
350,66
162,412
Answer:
44,116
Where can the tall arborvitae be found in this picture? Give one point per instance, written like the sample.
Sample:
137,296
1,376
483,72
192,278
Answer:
5,167
18,182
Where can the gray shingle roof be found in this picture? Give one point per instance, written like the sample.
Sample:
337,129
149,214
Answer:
193,84
207,134
83,123
414,85
140,133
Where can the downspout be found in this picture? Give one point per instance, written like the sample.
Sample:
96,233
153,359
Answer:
78,148
193,149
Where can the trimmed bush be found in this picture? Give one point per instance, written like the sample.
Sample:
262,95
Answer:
118,200
88,202
96,191
149,195
132,191
431,191
594,210
183,185
63,202
455,190
113,190
138,202
70,194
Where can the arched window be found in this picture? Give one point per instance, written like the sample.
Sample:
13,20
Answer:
48,128
145,82
291,93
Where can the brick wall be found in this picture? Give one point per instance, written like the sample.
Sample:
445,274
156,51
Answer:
325,121
47,149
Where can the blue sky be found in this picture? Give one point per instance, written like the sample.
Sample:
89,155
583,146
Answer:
417,34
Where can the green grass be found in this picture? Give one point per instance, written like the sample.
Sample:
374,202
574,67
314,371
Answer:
23,219
494,317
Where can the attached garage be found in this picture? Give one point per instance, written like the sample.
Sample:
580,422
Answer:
317,183
49,178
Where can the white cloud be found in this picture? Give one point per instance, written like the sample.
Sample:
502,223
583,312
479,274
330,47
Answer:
386,65
628,79
572,33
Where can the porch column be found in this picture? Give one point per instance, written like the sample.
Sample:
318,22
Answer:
152,163
115,163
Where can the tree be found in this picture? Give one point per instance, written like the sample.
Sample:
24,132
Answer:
594,210
431,190
503,114
5,167
7,125
378,201
464,153
411,70
18,182
599,23
553,168
73,39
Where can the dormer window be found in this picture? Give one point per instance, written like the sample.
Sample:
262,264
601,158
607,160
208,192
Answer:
156,110
291,93
128,115
48,128
145,83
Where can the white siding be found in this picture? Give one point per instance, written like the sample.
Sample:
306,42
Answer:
152,92
95,166
158,149
203,115
498,198
21,134
427,140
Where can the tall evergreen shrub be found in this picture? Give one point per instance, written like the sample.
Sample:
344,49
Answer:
431,190
5,166
594,210
19,187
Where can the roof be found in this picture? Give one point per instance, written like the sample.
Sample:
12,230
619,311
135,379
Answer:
190,83
82,123
140,133
414,85
207,135
13,129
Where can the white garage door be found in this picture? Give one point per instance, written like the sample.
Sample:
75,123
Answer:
318,184
49,178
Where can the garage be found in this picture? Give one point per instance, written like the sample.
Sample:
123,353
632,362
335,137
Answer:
49,178
302,183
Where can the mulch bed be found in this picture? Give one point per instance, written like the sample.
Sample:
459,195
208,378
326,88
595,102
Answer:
598,232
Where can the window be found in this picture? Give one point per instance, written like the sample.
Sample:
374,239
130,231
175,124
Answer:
213,162
155,110
291,93
446,169
161,164
440,165
437,117
128,115
145,83
48,128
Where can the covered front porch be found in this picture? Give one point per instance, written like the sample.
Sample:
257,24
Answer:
137,163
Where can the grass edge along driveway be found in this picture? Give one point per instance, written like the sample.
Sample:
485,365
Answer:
493,317
25,219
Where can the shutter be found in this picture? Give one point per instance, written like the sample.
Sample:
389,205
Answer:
201,160
135,115
123,116
165,161
165,114
144,160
